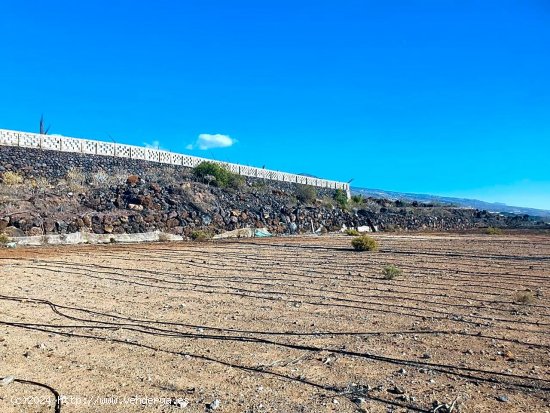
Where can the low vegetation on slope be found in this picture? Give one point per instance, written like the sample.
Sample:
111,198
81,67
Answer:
41,193
208,199
215,174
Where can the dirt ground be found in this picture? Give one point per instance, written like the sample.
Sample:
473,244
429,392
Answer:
300,324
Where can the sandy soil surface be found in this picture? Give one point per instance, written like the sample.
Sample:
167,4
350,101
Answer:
299,324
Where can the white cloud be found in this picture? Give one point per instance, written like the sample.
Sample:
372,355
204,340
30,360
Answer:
208,141
152,145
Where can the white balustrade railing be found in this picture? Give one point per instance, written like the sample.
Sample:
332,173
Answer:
86,146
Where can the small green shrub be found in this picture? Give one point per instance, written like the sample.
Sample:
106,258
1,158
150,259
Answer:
235,181
524,297
200,235
160,175
100,179
493,231
40,184
341,197
306,194
391,271
352,232
4,239
76,175
358,199
75,179
216,174
364,243
390,228
11,178
259,184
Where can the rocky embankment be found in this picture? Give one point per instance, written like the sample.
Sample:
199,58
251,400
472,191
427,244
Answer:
63,193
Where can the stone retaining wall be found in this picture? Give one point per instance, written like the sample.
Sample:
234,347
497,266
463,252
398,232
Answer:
116,150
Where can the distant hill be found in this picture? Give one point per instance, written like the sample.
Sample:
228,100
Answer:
463,202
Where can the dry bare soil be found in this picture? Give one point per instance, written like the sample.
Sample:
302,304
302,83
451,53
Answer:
300,324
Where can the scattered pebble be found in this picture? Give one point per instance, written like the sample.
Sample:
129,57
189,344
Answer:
181,403
7,380
396,390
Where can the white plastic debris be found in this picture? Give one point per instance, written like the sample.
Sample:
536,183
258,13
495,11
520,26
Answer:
7,380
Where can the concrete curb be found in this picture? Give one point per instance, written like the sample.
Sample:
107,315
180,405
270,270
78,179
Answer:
91,238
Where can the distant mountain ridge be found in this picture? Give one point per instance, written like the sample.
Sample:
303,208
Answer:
462,202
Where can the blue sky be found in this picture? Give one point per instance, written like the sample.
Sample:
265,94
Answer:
443,97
